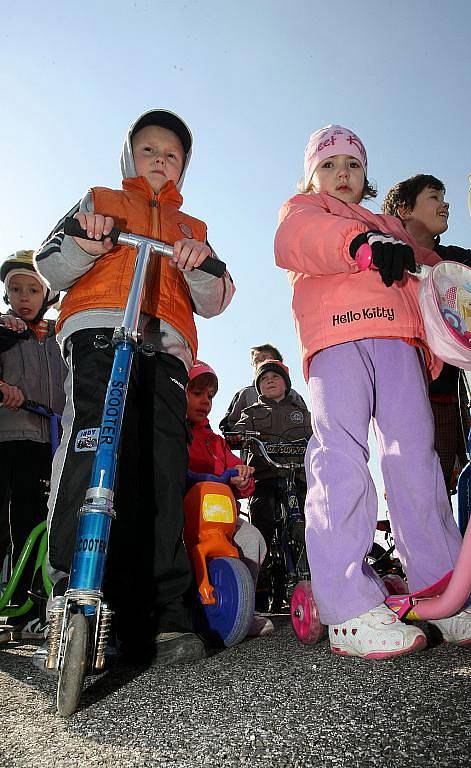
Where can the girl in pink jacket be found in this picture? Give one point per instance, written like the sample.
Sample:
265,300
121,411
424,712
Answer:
365,358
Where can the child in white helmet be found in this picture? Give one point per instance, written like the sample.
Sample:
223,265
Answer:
31,368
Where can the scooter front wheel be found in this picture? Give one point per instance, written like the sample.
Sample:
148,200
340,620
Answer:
232,614
305,614
74,665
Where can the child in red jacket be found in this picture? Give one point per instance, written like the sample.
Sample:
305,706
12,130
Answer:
210,453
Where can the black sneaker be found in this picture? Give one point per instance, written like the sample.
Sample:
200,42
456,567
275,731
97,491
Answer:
5,633
178,648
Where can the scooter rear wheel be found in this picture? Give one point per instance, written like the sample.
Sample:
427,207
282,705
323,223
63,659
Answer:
305,614
232,614
74,665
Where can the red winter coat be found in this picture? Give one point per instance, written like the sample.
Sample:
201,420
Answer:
209,452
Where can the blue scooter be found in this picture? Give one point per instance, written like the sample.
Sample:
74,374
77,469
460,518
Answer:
80,622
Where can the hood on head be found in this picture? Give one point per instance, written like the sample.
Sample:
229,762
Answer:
165,119
277,367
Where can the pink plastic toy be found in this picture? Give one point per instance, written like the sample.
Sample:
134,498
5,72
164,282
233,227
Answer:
445,304
443,599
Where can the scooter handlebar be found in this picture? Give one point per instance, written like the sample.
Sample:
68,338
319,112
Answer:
364,260
211,266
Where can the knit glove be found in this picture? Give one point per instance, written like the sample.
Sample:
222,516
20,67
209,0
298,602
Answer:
390,256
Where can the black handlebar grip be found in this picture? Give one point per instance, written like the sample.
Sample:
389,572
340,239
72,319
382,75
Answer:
72,227
213,267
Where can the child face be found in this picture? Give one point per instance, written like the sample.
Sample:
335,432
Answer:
25,295
340,176
200,401
158,155
272,385
430,210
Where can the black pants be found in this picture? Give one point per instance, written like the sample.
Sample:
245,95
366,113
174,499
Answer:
148,574
25,472
449,439
264,505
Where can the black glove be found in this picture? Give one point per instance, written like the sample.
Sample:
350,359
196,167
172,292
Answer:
9,338
390,256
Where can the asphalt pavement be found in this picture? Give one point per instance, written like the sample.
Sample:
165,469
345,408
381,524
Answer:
267,702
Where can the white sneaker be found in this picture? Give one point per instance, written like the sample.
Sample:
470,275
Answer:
376,634
260,626
456,629
32,630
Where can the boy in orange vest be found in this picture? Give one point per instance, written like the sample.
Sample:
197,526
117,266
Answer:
148,574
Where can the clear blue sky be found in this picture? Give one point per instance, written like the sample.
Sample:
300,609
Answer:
253,79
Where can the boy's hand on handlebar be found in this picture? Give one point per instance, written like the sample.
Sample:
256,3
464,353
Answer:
189,254
13,397
243,478
13,323
96,226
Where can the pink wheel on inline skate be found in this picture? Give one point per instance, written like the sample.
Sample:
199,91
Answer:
305,615
395,584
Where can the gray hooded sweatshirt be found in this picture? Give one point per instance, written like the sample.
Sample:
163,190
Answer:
61,262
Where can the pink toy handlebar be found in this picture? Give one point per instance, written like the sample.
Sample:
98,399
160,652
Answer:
364,260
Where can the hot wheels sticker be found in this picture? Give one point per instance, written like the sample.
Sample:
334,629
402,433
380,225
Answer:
87,439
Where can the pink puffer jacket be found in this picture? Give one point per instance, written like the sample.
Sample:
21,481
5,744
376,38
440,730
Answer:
333,302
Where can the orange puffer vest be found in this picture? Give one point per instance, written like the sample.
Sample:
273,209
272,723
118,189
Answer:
138,209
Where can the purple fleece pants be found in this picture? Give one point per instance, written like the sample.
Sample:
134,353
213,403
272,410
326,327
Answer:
350,384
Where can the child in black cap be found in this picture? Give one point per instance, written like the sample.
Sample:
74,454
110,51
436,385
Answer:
276,416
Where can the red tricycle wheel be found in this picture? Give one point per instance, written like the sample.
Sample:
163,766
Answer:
305,615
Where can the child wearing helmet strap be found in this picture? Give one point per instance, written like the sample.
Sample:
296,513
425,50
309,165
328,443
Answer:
31,368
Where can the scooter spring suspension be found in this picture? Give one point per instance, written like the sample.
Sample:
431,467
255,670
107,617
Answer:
102,638
54,634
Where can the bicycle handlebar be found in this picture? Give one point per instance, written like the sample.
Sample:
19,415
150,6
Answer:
34,407
72,227
252,437
364,260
